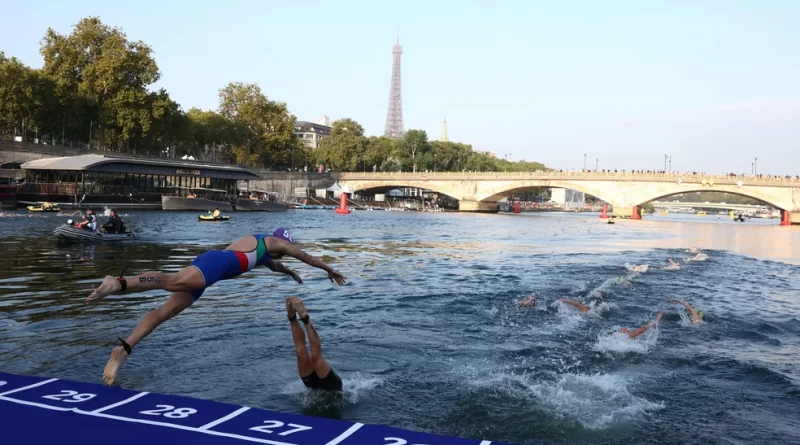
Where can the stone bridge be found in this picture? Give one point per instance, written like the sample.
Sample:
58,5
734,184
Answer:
480,192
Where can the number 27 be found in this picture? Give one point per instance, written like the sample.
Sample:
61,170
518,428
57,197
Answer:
277,424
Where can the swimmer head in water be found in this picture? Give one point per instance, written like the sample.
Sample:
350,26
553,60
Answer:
530,300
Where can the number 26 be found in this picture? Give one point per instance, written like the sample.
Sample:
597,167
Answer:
397,441
277,424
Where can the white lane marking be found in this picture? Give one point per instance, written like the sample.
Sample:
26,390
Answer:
486,442
129,399
40,405
27,387
181,427
346,434
223,419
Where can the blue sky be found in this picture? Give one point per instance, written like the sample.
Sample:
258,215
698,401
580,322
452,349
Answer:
711,83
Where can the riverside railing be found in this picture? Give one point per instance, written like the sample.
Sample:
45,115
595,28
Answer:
691,177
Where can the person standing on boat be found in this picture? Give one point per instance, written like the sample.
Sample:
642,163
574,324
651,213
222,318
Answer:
114,224
314,370
89,220
188,284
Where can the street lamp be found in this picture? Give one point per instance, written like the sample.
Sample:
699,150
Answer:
756,167
584,162
665,162
670,164
291,175
596,164
752,168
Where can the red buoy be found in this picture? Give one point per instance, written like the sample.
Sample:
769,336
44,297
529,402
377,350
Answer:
636,214
516,207
343,210
785,221
605,211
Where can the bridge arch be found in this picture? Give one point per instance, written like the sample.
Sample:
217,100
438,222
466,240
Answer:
700,190
500,191
757,194
438,187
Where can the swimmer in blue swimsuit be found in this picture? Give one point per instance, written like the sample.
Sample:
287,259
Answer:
314,370
187,285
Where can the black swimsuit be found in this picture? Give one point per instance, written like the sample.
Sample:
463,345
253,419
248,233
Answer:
331,382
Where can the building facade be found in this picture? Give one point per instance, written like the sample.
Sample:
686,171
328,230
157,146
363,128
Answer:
310,133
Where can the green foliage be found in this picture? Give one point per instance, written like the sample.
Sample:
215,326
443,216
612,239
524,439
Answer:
344,148
27,98
97,64
263,129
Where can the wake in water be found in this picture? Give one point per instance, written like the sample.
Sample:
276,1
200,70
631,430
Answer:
355,386
595,401
619,342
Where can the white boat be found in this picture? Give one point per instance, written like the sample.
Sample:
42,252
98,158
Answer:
70,232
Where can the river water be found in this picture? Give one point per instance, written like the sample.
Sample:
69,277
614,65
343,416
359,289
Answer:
428,334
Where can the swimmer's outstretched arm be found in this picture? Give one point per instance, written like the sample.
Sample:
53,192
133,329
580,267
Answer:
692,312
277,266
641,330
581,307
281,246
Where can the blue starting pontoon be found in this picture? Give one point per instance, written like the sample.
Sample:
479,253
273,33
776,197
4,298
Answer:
36,410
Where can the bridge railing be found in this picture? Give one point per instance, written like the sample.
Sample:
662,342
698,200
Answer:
607,175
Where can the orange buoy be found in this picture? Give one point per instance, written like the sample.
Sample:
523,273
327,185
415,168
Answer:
785,221
605,211
343,210
636,214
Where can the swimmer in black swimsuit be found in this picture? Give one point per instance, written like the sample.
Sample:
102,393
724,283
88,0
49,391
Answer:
315,371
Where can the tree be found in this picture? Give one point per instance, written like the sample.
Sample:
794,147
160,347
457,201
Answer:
210,133
377,151
414,142
263,128
27,99
98,64
343,149
167,125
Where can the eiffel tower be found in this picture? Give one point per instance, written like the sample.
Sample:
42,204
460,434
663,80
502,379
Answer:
394,117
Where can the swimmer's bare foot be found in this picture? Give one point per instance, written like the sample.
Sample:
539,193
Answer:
107,287
298,305
118,356
289,308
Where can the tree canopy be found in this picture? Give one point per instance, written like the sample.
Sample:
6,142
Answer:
96,89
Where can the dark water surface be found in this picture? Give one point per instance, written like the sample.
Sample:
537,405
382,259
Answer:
427,334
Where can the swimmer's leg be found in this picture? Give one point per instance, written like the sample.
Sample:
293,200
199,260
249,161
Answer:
304,364
175,304
185,280
321,366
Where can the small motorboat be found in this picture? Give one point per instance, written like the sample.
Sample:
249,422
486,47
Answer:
43,209
70,232
610,221
213,218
